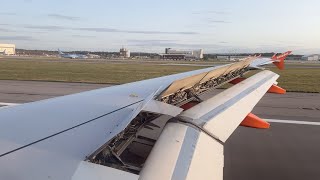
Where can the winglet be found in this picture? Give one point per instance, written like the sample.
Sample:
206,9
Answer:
254,121
276,89
279,60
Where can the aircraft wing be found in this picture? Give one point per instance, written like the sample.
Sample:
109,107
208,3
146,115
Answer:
84,135
276,60
191,144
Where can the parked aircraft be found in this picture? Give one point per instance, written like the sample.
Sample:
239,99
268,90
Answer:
3,52
152,129
72,56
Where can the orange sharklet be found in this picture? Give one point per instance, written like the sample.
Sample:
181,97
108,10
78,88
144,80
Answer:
254,121
276,89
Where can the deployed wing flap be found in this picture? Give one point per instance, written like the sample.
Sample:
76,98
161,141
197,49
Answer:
183,152
191,145
223,113
87,170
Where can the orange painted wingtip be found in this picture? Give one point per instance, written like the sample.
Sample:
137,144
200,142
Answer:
280,65
254,121
276,89
282,56
279,60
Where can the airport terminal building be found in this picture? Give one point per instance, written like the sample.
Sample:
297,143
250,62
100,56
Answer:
7,49
312,57
174,54
125,53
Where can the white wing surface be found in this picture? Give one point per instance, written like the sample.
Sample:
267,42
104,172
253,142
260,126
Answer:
71,136
191,145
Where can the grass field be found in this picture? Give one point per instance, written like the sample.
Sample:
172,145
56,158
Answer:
85,72
298,79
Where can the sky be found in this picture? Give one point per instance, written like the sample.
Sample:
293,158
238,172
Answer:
229,26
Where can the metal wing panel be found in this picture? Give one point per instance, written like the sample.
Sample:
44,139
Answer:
58,156
164,155
223,70
55,135
182,152
191,145
261,62
87,170
216,73
64,130
183,84
221,114
34,121
41,119
205,76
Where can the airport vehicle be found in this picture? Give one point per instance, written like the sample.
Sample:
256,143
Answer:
152,129
72,56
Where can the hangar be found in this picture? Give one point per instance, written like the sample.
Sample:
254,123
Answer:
8,49
312,57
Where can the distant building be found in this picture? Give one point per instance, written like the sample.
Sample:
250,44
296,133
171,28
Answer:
230,57
182,54
8,49
312,57
124,53
93,56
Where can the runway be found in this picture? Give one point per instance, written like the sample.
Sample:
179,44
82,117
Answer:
288,150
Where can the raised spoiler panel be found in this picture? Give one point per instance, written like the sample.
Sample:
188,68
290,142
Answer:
191,145
203,77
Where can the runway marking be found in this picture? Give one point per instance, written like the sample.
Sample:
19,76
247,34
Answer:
293,122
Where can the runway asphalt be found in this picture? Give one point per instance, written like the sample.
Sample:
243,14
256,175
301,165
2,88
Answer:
285,151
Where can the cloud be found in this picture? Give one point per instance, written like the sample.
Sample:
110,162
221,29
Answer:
162,32
97,29
17,38
7,14
170,43
45,27
211,12
217,21
83,36
5,30
149,40
133,31
63,17
218,12
102,29
112,30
